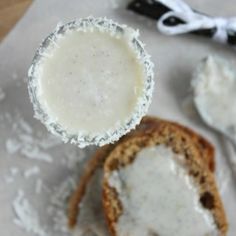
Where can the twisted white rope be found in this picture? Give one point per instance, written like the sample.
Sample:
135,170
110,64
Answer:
194,21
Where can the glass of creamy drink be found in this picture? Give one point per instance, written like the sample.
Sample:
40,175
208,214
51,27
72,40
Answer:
91,81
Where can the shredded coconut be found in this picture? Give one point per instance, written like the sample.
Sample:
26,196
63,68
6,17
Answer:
83,139
26,141
73,157
25,126
59,201
41,187
10,178
36,154
32,171
49,142
26,216
63,191
29,144
12,146
60,221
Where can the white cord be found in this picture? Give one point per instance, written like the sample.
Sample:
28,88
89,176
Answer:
194,21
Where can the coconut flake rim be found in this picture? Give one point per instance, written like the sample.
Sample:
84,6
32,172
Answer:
81,138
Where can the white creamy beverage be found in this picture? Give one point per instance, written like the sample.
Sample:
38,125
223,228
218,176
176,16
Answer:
91,80
159,197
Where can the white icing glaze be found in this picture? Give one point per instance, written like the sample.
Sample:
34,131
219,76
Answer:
214,85
80,94
159,197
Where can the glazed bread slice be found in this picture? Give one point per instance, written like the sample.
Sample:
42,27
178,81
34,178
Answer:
123,207
147,125
206,149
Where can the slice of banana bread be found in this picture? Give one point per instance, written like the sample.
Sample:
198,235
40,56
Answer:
158,183
96,162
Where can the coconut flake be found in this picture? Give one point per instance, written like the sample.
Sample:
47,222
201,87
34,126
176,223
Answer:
32,171
10,178
25,126
26,141
12,146
59,201
62,192
73,157
32,152
49,142
26,216
27,144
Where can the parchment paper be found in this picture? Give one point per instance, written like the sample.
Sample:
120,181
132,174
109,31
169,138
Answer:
174,58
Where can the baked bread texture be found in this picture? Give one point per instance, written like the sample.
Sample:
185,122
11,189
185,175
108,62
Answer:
186,152
199,154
